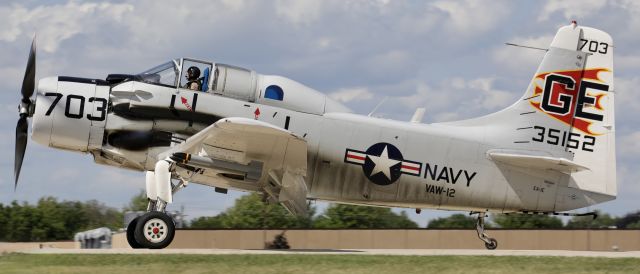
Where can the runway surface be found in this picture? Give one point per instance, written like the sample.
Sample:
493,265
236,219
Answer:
394,252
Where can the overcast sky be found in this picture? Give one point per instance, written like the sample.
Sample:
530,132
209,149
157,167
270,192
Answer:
447,56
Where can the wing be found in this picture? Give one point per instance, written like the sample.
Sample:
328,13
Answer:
249,155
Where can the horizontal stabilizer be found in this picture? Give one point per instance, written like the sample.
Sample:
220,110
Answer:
523,159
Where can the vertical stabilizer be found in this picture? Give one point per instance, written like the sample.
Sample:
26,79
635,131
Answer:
567,113
569,106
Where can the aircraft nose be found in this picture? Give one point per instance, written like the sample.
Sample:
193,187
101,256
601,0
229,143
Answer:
48,84
42,124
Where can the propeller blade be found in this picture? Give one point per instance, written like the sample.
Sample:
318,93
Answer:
21,146
29,81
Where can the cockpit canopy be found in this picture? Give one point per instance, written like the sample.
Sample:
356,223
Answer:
174,74
221,79
165,74
238,83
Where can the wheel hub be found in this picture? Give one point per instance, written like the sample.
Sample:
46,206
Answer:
155,230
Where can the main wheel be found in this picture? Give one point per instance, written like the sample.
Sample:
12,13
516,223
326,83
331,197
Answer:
492,244
154,230
130,234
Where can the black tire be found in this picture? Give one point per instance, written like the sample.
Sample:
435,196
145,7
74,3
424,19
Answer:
154,230
130,234
492,244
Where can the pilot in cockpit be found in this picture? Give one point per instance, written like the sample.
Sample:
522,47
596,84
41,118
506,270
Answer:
193,80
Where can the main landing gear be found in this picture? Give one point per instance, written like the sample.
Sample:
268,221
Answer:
153,230
156,229
489,243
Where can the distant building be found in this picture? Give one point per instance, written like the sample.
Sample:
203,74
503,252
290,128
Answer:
95,238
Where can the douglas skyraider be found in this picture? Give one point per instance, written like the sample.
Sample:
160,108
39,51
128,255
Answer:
193,121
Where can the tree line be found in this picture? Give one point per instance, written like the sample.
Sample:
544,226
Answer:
250,212
50,219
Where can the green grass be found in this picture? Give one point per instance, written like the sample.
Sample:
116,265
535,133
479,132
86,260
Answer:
325,264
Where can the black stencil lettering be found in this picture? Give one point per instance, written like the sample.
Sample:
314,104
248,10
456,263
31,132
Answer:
564,99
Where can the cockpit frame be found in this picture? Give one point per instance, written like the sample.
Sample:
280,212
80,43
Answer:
206,70
171,74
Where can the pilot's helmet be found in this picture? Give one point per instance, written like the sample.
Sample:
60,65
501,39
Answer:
193,73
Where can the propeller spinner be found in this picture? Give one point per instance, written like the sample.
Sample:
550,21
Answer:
25,108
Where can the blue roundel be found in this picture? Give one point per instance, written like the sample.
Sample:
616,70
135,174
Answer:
274,92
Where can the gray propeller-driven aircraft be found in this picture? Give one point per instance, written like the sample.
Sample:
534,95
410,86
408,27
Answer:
223,126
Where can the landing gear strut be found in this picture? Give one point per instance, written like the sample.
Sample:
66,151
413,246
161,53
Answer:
489,243
156,229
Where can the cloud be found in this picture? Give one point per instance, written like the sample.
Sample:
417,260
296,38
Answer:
418,99
234,4
459,98
626,102
57,23
571,9
349,94
491,98
471,17
629,146
522,58
299,12
627,62
391,60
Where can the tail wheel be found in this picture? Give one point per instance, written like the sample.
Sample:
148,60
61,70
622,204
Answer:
492,244
154,230
130,234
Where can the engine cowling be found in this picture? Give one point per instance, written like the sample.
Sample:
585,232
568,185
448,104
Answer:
70,113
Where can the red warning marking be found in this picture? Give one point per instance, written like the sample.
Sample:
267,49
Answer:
257,113
184,102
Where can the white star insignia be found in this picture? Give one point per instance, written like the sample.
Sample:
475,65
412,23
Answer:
383,163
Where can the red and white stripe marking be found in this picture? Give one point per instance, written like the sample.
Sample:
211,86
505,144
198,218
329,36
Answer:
411,168
355,157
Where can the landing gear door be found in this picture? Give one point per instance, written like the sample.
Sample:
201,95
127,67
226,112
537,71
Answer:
196,75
